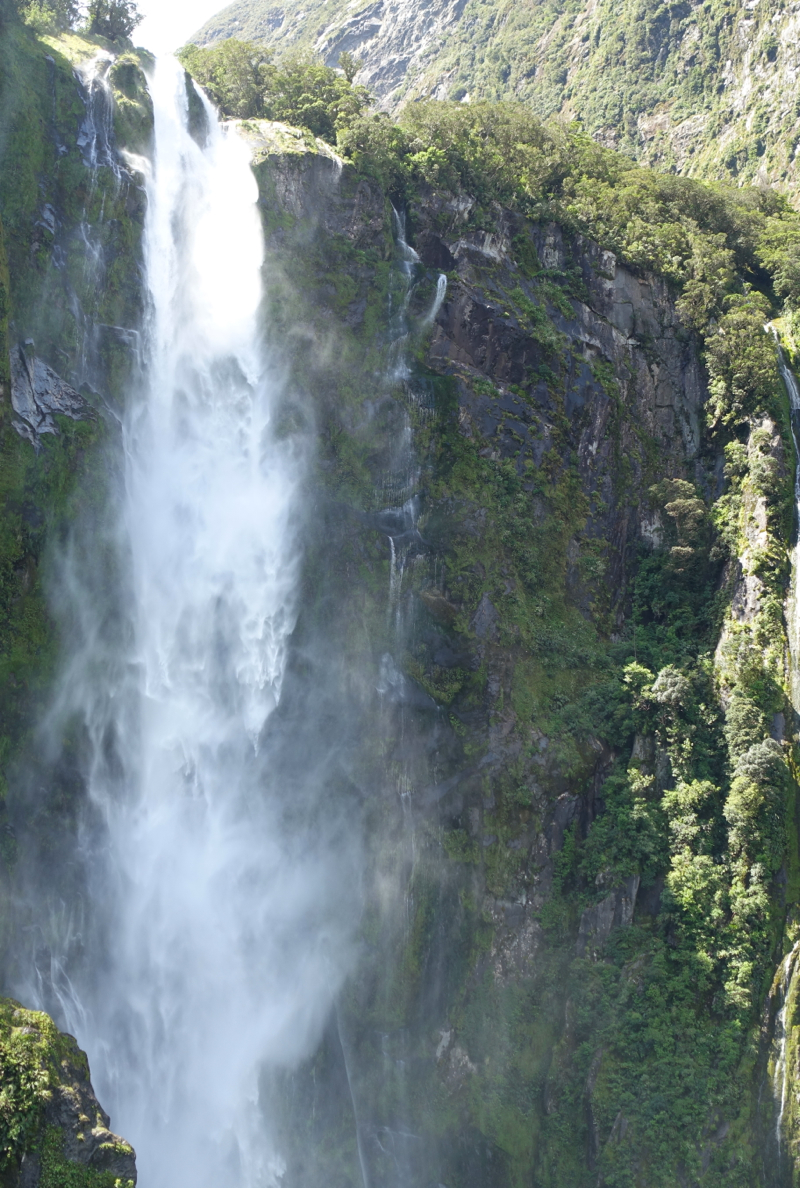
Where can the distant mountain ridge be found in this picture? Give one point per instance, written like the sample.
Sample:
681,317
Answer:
709,89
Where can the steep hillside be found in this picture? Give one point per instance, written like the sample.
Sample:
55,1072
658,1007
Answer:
556,547
707,89
70,303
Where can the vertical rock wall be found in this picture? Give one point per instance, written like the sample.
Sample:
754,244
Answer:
530,548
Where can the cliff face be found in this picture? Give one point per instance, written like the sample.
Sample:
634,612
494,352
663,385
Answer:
71,301
540,664
70,308
542,573
707,90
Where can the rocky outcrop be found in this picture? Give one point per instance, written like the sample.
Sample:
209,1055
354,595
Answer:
38,395
615,911
54,1130
509,425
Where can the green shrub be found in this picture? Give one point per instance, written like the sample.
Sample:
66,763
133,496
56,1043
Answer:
245,83
741,360
114,19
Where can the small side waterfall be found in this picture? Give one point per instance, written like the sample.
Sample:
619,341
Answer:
96,137
784,1042
402,481
779,1076
785,986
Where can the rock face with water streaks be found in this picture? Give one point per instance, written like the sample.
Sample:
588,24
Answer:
38,394
65,228
510,471
539,662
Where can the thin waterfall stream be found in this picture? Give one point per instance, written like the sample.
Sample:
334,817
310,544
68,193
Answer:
219,920
788,968
794,599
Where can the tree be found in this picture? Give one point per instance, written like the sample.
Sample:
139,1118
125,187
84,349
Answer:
114,19
50,16
234,73
349,65
245,83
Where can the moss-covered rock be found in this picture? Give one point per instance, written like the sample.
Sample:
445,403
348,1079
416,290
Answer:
53,1131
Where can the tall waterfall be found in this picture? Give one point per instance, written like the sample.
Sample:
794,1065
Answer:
794,597
217,915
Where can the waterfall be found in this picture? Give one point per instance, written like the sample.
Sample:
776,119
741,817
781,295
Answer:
793,610
779,1076
787,970
217,930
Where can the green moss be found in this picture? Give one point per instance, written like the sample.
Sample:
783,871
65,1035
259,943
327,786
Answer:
133,107
39,497
37,1060
58,1172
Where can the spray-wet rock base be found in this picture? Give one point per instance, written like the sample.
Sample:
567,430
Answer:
54,1131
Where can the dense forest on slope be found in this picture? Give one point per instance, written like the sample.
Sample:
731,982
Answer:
708,89
577,962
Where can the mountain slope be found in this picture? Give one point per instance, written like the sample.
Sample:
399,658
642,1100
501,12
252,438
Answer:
708,89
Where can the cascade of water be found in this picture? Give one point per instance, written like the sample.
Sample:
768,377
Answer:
793,616
403,477
780,1074
96,137
217,936
97,145
438,300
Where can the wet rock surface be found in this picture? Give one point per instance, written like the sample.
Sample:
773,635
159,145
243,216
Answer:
39,395
67,1132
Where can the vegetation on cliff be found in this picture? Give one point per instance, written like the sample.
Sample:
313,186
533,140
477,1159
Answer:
647,702
702,88
664,712
49,200
114,20
45,1091
244,82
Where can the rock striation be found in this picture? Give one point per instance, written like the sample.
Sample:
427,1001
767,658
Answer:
38,395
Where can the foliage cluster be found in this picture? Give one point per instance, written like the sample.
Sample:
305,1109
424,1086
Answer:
36,1060
58,1172
630,71
115,20
697,236
245,83
715,244
700,813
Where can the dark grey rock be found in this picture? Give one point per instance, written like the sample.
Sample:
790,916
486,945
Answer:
615,911
38,394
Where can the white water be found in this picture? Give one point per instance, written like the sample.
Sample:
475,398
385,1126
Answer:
224,924
780,1077
793,609
787,971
